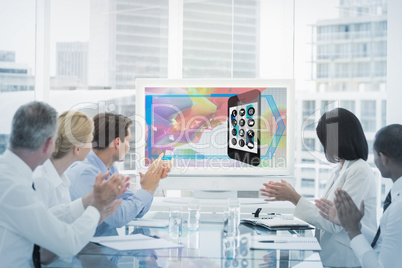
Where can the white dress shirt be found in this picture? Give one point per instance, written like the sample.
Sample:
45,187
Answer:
387,252
52,188
26,221
357,178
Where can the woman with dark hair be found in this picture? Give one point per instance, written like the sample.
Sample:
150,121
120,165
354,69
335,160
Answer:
344,142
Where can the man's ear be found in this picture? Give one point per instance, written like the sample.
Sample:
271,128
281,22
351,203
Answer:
47,145
384,159
116,143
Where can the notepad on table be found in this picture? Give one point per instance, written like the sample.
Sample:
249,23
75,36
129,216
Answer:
287,243
275,224
134,242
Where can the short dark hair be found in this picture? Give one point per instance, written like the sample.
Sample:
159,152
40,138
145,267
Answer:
342,136
388,141
107,127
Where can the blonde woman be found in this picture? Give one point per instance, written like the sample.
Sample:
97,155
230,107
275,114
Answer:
73,143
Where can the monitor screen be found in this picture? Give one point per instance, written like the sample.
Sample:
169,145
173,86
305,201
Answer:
220,127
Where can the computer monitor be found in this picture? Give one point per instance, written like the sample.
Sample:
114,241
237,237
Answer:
226,134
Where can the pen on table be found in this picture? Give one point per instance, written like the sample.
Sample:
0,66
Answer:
272,241
154,236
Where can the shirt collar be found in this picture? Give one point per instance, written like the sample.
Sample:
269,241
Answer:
95,160
20,167
396,189
54,176
339,170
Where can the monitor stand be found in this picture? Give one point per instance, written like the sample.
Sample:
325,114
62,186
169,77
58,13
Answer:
203,194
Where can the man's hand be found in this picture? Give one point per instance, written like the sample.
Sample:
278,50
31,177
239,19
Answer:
110,209
348,213
157,171
87,200
280,191
327,210
106,192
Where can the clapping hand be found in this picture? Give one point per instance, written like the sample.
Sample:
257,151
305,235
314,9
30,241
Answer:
327,210
348,213
158,170
106,192
280,191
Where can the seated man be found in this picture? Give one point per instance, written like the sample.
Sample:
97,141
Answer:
385,249
111,143
25,220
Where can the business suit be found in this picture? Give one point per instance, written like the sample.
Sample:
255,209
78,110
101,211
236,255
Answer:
357,178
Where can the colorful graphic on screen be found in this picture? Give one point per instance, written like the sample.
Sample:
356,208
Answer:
189,124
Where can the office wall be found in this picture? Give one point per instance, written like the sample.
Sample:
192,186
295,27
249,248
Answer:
394,61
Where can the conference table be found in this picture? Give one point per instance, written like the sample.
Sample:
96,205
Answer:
207,247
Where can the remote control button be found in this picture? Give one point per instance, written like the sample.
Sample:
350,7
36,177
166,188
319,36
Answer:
251,111
242,122
234,122
234,141
234,113
241,143
241,132
234,132
250,145
250,133
251,122
242,112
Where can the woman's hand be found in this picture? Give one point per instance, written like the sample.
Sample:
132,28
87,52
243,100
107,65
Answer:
327,210
280,191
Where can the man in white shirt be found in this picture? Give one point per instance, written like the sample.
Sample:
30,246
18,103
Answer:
25,220
386,248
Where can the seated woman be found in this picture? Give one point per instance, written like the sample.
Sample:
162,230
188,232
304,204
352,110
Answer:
73,143
344,142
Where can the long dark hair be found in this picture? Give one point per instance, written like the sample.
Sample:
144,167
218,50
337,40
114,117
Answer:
342,136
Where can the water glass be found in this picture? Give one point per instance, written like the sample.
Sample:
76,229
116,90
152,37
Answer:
193,221
175,223
233,216
193,240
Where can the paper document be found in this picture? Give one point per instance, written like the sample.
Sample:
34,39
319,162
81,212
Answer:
281,242
149,223
134,242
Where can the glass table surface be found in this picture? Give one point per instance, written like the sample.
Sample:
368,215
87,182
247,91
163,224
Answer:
206,247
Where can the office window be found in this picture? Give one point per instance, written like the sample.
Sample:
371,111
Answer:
368,115
383,113
347,57
309,145
95,58
307,183
380,69
17,61
108,44
220,39
322,70
348,105
361,69
100,53
308,114
309,170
